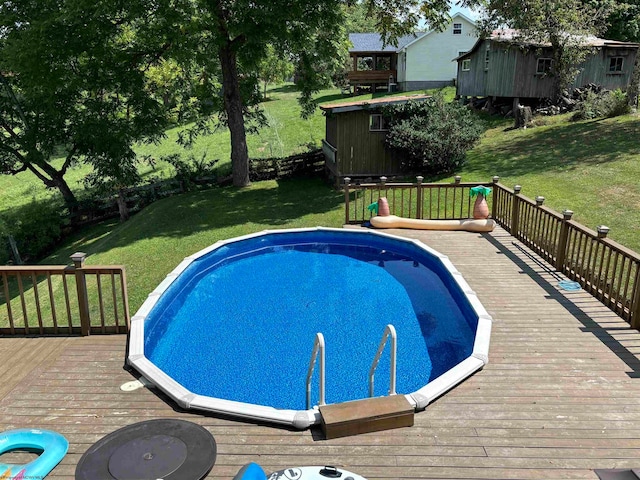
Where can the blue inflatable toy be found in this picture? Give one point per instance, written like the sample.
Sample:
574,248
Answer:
53,446
253,471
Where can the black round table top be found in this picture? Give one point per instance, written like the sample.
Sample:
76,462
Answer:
155,449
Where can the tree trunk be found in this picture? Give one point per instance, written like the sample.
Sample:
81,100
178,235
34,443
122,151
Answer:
122,206
60,183
235,117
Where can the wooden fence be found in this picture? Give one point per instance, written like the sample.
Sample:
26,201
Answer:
58,299
604,268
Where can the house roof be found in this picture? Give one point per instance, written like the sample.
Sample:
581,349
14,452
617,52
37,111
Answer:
509,35
374,102
372,42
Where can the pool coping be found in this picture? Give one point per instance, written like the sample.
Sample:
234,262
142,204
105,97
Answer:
301,419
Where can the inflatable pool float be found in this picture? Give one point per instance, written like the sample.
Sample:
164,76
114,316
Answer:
53,446
384,219
253,471
469,224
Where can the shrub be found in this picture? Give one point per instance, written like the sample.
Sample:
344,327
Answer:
189,170
431,137
36,227
601,104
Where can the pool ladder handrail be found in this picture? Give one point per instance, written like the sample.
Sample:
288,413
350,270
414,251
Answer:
389,331
318,348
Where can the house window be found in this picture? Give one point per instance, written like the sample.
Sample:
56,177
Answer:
466,64
486,58
377,123
543,66
383,63
365,64
615,64
457,28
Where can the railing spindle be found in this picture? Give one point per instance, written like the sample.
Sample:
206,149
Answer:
52,302
34,282
7,297
24,305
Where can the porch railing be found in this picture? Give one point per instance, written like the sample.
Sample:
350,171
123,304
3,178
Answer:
58,299
604,268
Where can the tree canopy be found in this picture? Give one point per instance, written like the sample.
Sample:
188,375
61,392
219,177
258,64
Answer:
73,79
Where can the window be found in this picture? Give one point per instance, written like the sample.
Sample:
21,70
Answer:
543,66
377,123
457,28
486,58
615,64
461,53
365,64
383,63
466,64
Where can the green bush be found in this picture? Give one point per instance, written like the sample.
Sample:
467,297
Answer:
433,136
36,227
603,104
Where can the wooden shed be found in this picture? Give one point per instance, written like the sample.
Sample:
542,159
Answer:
504,66
354,140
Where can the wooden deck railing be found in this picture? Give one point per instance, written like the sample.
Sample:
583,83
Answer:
58,299
607,270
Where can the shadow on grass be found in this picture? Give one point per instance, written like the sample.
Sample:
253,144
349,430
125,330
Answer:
561,147
194,212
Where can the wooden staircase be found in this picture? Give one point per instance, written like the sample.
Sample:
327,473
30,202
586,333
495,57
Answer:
367,415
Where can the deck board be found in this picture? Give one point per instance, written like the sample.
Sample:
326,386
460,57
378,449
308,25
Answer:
558,398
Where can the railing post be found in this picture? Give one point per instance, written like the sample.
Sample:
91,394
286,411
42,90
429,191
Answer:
515,210
419,178
383,182
539,201
347,181
603,231
561,250
457,179
78,259
494,203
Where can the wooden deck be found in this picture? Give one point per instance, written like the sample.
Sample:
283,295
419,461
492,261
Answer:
558,398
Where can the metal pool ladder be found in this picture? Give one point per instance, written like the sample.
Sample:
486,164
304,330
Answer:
389,331
318,348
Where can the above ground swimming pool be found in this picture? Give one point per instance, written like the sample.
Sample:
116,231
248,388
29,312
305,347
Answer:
232,328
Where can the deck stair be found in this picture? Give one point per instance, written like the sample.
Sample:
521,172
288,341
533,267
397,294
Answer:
367,415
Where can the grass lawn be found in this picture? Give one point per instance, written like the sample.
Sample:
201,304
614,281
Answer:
286,134
591,167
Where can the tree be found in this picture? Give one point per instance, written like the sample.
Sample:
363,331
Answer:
311,33
562,24
273,68
73,81
358,19
623,18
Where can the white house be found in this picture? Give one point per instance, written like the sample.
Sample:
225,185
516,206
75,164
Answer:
423,60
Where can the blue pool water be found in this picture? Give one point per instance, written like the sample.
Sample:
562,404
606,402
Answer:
239,323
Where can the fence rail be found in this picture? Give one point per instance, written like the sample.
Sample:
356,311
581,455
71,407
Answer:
58,299
607,270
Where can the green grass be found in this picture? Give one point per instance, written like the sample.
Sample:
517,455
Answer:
590,167
287,134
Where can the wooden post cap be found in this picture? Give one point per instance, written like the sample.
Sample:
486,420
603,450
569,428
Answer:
603,230
78,258
567,214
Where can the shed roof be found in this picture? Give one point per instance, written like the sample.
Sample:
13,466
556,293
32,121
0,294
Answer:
510,35
373,102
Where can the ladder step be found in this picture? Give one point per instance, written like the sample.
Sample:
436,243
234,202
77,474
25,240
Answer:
367,415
